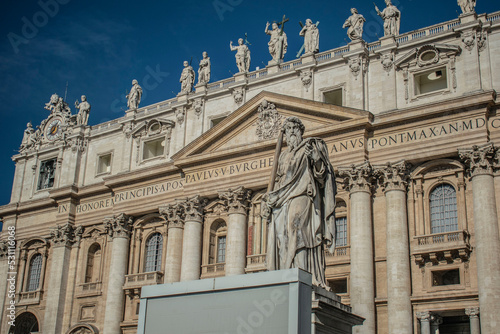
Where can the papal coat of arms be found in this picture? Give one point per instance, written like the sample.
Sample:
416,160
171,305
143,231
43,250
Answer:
268,121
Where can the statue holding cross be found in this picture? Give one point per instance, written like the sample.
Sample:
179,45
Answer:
278,43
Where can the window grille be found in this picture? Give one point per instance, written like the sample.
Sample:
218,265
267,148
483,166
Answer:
34,273
443,206
154,248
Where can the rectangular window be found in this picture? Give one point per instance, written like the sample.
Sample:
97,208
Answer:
446,277
47,174
333,97
104,164
338,285
341,231
216,121
431,81
221,249
153,148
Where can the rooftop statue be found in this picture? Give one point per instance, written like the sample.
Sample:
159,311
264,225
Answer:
134,97
310,33
467,6
57,105
83,111
392,18
300,204
242,55
30,137
204,69
278,43
354,23
187,78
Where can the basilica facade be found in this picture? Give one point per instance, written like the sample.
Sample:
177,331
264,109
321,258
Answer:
172,191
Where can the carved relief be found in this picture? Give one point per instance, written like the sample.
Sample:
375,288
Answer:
268,121
237,200
193,208
357,178
238,95
174,214
179,114
198,106
355,66
119,226
306,78
63,235
394,176
469,38
427,55
387,61
481,40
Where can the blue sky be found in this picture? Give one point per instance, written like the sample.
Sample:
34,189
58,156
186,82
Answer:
99,47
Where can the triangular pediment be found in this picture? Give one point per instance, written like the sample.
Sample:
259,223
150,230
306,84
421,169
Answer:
254,125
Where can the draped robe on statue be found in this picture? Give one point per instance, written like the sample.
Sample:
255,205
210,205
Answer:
302,212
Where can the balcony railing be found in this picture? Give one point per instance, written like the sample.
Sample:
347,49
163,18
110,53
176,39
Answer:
341,254
441,246
213,270
89,289
256,263
30,297
142,279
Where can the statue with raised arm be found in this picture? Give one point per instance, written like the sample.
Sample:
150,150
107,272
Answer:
204,70
134,97
187,78
467,6
310,33
300,204
354,23
83,111
277,43
392,18
242,55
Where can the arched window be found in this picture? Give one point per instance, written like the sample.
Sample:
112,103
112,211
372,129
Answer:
93,263
154,248
34,272
25,323
443,206
218,234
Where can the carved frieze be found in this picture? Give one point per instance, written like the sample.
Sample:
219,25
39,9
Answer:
357,177
479,160
119,226
268,121
237,200
393,176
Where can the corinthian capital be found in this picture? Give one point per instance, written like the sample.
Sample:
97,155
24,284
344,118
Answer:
119,226
63,235
478,159
4,248
174,214
394,176
357,177
193,208
237,200
472,312
424,316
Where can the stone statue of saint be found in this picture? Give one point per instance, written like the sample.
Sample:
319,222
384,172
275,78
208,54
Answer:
83,111
392,18
28,136
278,43
242,55
204,70
311,37
354,23
187,78
301,208
467,6
134,97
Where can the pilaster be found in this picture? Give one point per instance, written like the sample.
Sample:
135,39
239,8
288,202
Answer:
237,202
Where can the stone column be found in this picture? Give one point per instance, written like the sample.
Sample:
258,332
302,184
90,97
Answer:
62,237
119,228
479,161
358,180
473,313
237,202
394,177
191,245
174,215
425,322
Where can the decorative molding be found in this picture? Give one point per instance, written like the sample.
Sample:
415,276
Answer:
119,226
237,200
357,177
269,121
479,159
394,176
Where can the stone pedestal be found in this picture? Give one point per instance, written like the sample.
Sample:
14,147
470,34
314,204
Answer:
200,88
237,201
240,76
281,301
387,40
120,226
357,45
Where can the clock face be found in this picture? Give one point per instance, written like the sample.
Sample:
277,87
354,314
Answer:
53,130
